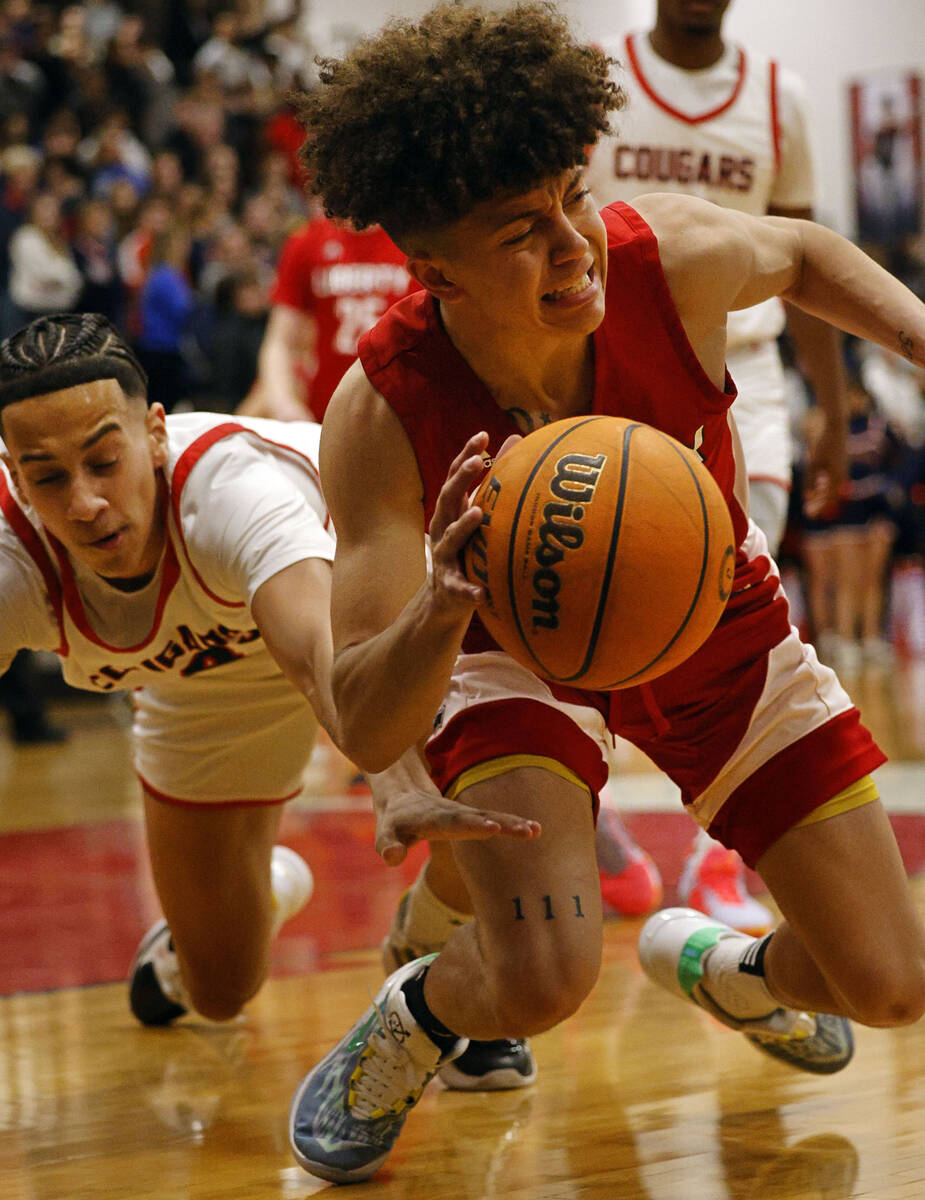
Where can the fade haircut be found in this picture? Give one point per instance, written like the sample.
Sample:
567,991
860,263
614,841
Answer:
61,351
421,122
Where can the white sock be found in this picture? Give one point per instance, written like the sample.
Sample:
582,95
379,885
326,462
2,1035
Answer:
738,991
428,922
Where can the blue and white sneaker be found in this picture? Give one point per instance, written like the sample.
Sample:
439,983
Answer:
672,946
347,1113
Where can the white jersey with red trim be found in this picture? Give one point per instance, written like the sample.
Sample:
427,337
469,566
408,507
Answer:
734,133
243,501
215,718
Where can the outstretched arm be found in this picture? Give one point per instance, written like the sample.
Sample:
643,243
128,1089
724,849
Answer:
717,260
292,611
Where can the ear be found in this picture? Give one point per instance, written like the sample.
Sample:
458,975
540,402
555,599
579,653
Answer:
431,277
14,478
156,426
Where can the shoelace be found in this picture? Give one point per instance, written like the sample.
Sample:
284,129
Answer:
387,1078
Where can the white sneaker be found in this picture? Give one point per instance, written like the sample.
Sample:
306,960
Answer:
292,884
713,882
672,946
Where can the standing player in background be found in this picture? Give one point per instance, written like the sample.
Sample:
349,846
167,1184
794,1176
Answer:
707,118
465,136
332,284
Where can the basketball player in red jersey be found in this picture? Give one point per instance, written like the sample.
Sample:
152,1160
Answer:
464,137
332,284
707,118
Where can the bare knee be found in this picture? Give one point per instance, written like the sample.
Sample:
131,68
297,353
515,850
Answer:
219,990
531,1001
888,997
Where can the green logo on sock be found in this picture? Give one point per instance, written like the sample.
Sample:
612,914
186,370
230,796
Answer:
690,967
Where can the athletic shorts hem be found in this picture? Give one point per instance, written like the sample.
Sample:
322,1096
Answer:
517,726
788,787
178,802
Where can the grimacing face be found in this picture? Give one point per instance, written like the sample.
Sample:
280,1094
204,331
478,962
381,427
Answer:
86,459
531,265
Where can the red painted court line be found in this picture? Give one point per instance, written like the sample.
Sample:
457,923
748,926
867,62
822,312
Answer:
75,902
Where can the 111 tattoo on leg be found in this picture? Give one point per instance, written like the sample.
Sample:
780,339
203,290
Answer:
545,908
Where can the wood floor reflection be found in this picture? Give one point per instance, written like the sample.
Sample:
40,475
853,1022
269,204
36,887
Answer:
639,1097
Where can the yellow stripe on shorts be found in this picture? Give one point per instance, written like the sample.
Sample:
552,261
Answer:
493,767
864,791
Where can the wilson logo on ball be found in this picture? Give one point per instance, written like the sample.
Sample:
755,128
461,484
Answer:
574,482
601,545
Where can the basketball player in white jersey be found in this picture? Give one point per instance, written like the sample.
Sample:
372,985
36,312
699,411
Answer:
187,559
706,117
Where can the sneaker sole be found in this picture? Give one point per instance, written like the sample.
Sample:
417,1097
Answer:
505,1079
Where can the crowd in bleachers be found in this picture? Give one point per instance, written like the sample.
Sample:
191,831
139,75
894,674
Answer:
148,171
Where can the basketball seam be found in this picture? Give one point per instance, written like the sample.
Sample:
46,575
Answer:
700,582
617,524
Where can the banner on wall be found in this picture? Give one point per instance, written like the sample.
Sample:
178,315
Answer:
886,123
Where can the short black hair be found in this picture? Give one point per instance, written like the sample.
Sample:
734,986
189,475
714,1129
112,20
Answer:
421,122
63,350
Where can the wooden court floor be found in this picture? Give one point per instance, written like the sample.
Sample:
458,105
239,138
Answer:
639,1097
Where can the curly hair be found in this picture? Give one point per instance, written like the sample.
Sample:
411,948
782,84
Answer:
421,122
60,351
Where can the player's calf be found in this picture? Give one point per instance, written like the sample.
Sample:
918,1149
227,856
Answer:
158,991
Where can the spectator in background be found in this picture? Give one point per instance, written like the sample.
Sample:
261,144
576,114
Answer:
222,179
20,167
165,308
166,176
64,178
114,152
44,276
22,85
240,323
229,253
134,252
139,78
199,124
96,253
848,552
332,285
235,68
22,694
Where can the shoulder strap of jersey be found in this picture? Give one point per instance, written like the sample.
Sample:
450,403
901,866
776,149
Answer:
188,459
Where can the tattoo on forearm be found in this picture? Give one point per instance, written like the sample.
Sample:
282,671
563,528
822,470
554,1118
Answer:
549,913
907,344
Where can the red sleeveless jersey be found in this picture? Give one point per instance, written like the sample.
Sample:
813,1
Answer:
645,370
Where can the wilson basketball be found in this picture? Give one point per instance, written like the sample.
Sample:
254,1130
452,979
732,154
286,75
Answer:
605,550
